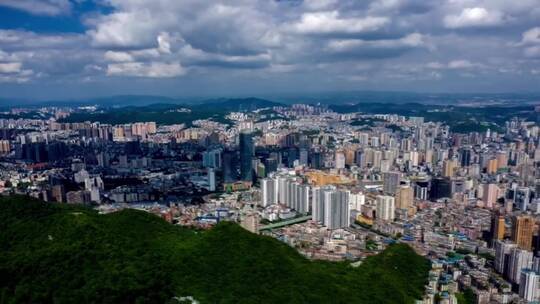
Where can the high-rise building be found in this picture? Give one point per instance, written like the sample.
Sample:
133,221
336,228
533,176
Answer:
331,207
522,231
529,285
404,197
492,166
391,182
229,166
212,159
522,197
519,259
211,179
490,195
449,166
246,154
502,255
497,227
340,160
268,191
385,209
465,157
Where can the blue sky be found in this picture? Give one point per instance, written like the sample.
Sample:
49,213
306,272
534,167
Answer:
84,48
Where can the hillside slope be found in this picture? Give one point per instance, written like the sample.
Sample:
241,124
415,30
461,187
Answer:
64,254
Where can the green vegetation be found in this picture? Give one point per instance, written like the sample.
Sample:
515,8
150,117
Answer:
66,254
460,119
466,297
166,113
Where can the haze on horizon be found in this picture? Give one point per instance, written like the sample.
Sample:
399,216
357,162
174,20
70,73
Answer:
80,48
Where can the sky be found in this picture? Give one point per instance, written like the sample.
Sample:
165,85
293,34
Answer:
87,48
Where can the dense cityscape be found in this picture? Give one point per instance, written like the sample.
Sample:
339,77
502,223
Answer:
334,186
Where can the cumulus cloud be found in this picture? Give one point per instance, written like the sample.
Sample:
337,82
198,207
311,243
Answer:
141,69
332,23
244,40
474,17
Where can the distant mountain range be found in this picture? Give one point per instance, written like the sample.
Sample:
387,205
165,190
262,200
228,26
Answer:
345,98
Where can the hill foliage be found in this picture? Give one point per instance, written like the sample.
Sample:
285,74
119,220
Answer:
69,254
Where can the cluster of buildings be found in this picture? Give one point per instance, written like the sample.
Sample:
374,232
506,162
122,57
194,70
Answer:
335,186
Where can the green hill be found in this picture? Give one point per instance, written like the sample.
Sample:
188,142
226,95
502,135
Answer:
65,254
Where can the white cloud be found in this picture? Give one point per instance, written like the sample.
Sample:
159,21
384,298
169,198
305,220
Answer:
12,67
331,23
474,17
141,69
118,56
459,64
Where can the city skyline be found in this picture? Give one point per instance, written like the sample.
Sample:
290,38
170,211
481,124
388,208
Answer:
72,49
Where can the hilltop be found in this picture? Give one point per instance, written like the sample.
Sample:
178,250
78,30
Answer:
59,253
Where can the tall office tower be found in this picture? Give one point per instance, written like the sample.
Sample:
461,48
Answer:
449,166
529,285
330,207
502,255
522,231
465,157
391,182
522,197
246,154
404,197
268,192
229,166
490,195
519,259
212,159
340,160
211,179
385,209
440,188
497,227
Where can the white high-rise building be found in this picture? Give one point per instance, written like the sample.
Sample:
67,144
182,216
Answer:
268,192
286,191
356,200
385,209
340,160
519,259
529,285
211,179
331,207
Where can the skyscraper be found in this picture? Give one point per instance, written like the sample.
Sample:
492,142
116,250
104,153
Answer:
391,182
385,208
246,154
268,192
497,227
529,285
502,255
522,231
331,207
519,259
